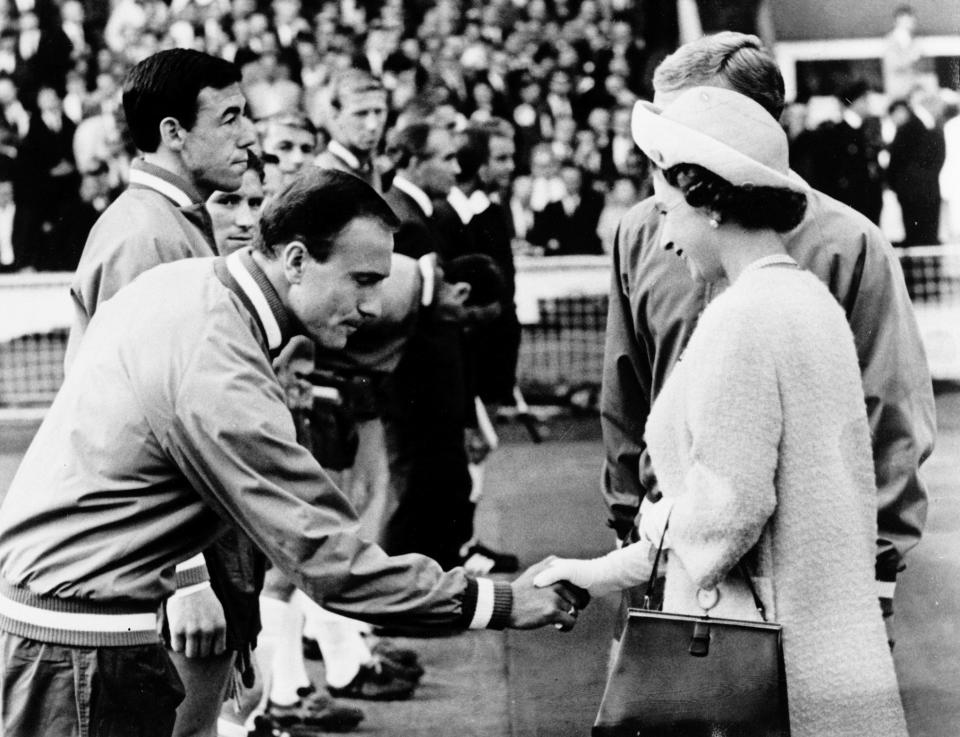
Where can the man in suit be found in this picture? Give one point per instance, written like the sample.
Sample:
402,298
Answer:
917,154
847,167
358,114
569,226
15,232
426,169
49,183
472,223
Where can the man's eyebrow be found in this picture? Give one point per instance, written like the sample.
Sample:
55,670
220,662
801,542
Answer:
234,110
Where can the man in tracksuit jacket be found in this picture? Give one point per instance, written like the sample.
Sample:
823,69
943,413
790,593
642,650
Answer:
149,453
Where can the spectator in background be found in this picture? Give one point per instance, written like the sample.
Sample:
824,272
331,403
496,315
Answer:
16,235
269,86
917,154
14,118
626,158
290,137
569,226
622,196
950,173
356,118
847,166
48,181
902,59
545,181
521,213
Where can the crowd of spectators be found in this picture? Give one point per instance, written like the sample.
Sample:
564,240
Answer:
563,73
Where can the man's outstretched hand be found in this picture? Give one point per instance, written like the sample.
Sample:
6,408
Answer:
557,604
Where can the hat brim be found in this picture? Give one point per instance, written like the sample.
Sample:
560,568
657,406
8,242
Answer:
668,142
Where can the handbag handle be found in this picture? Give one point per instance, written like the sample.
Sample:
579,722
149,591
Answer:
656,564
757,601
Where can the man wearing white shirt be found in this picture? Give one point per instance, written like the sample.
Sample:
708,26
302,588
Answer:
11,259
358,114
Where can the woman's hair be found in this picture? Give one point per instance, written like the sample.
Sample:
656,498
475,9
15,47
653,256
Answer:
750,206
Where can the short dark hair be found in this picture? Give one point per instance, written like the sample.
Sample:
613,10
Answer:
481,272
473,152
753,207
315,207
737,59
166,85
408,142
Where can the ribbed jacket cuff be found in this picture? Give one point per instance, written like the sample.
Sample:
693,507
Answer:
487,604
192,572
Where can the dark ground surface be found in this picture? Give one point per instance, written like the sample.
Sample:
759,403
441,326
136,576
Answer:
542,499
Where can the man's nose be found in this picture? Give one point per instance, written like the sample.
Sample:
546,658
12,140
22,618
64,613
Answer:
371,303
248,133
244,217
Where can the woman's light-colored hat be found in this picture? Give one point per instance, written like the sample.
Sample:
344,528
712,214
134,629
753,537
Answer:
722,131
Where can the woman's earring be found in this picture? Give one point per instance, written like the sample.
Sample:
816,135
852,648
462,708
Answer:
714,223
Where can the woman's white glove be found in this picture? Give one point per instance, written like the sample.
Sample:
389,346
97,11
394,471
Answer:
621,569
653,521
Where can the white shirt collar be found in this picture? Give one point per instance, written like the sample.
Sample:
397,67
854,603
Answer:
418,195
479,201
925,117
460,204
852,119
344,154
147,179
243,278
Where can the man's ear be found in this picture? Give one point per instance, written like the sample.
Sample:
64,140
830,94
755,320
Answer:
172,134
294,258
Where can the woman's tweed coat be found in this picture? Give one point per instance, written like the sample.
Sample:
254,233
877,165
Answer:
761,435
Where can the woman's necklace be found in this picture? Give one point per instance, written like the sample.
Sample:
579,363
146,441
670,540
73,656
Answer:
775,259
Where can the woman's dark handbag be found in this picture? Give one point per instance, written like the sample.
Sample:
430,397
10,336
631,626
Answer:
686,676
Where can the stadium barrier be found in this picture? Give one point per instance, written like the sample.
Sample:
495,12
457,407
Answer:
561,304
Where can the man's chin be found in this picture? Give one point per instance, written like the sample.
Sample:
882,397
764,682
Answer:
334,341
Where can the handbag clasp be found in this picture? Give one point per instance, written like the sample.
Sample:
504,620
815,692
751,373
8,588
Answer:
700,642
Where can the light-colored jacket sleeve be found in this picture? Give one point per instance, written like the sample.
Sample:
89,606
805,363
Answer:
734,420
233,438
625,399
900,402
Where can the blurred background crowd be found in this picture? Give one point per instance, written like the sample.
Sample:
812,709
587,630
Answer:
563,73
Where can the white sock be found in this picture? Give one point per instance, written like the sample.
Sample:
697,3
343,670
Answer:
340,638
281,652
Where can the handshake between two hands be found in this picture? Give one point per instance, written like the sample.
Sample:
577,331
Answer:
629,566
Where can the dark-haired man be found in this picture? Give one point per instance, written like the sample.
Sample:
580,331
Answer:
194,438
654,306
186,114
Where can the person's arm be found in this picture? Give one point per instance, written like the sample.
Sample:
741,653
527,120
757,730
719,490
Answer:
733,415
232,436
900,402
625,397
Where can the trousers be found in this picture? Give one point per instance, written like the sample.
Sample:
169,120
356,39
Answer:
62,691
